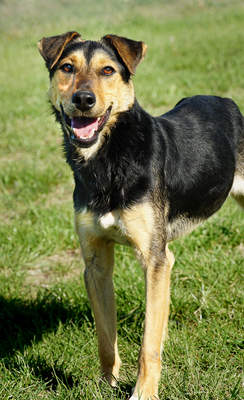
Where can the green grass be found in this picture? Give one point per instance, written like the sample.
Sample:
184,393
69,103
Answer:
48,346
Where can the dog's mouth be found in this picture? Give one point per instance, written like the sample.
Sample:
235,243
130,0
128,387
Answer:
85,130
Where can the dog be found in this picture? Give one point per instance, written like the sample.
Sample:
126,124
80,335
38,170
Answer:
140,181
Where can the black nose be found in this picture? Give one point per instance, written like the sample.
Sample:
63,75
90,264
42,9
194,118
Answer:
84,99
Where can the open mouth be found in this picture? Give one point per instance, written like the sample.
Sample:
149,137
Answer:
85,130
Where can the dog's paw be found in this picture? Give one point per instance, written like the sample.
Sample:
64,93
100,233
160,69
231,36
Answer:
141,397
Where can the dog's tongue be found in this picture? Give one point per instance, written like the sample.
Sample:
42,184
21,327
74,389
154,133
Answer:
83,127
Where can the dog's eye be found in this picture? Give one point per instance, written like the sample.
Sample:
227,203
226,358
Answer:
108,70
67,68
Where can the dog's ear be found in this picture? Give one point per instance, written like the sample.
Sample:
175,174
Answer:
131,51
51,48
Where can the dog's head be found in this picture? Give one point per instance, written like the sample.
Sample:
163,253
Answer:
90,82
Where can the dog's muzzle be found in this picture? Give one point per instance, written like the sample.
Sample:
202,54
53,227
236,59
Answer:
84,130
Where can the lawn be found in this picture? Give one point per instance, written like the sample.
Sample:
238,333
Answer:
48,345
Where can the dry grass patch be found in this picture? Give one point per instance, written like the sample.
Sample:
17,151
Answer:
53,269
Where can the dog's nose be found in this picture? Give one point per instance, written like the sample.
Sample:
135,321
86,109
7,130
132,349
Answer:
84,99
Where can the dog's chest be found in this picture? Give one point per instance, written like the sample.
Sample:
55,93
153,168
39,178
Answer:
110,221
109,226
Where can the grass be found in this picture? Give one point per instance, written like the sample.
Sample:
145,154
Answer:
48,346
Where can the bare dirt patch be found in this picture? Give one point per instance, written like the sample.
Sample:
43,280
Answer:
53,269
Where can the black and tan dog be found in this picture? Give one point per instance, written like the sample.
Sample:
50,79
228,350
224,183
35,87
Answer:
140,180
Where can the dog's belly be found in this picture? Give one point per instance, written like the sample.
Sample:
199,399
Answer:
180,227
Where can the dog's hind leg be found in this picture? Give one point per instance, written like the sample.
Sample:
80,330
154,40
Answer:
237,191
98,254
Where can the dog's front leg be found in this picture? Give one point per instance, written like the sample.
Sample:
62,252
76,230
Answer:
157,275
98,254
99,259
99,286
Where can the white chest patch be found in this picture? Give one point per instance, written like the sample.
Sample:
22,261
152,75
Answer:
111,226
108,220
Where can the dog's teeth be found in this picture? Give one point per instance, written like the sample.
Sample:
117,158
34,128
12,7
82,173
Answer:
92,133
99,118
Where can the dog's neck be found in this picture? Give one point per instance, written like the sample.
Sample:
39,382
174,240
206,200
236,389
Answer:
107,180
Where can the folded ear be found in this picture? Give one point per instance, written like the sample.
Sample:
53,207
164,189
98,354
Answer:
51,48
131,51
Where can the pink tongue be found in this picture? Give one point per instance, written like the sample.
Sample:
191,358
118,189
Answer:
84,127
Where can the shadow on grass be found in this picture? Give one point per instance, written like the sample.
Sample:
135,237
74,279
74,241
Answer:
51,375
21,321
25,321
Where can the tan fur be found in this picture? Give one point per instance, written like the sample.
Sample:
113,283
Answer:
139,227
110,91
136,226
237,191
98,254
156,324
